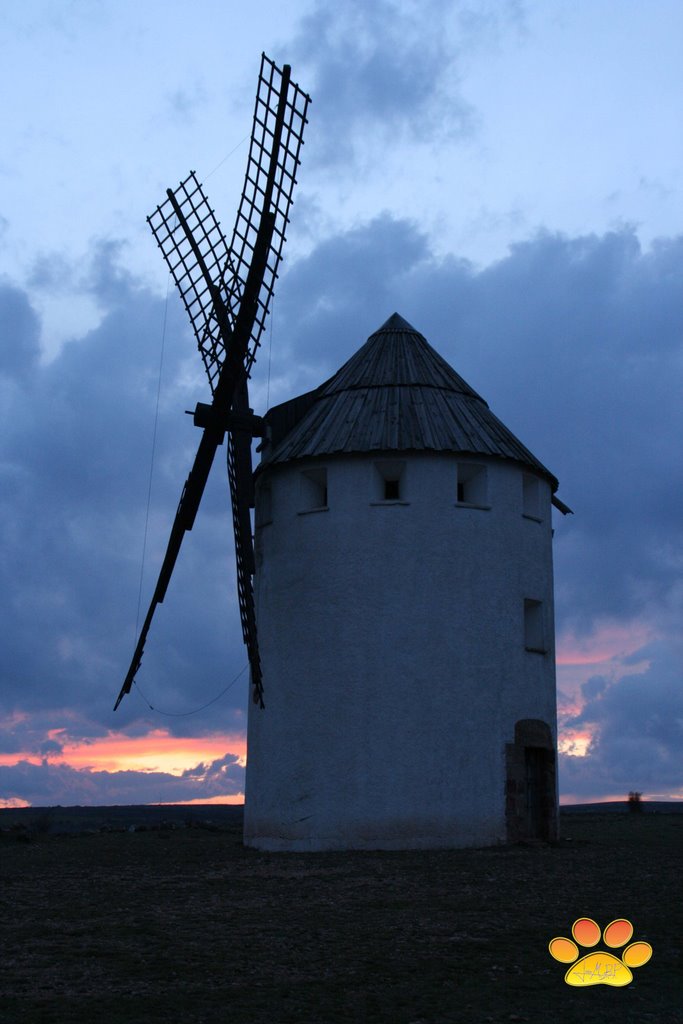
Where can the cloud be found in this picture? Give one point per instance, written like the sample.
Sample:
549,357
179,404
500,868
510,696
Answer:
186,102
19,348
75,464
637,729
594,686
599,330
576,345
383,70
51,748
340,293
49,784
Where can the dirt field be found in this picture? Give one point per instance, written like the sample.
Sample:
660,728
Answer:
185,925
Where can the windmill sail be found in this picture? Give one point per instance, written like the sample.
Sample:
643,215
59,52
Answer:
227,292
190,237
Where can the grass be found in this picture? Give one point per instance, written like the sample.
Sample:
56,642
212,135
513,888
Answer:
186,925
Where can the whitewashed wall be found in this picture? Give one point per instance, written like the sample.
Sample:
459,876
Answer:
393,648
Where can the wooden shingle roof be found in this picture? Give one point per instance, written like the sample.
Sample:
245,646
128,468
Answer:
395,394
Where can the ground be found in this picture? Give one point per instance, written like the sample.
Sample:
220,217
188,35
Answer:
185,924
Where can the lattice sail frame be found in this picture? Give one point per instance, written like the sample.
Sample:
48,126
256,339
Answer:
227,293
245,590
205,254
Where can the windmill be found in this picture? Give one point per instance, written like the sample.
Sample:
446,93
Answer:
226,290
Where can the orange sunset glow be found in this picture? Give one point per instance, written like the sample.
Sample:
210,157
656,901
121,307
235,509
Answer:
156,751
574,742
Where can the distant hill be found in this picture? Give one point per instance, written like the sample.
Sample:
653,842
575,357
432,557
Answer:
64,820
134,816
621,807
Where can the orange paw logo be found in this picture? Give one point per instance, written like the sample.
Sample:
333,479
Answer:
600,967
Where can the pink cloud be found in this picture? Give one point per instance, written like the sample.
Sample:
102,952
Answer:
610,641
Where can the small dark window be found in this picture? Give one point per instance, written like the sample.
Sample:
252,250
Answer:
471,486
534,638
389,482
313,490
392,490
264,504
530,497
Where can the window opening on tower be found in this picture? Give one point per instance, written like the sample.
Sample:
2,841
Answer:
389,482
530,497
534,633
471,487
314,490
392,490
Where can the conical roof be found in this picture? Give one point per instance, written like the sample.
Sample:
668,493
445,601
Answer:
395,394
396,355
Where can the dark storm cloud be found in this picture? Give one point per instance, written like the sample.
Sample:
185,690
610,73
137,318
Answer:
638,731
582,340
383,69
343,291
576,345
19,340
51,748
76,447
645,704
594,686
49,784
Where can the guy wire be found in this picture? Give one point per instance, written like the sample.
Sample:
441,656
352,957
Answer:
151,464
186,714
226,157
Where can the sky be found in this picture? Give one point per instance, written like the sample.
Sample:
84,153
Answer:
506,175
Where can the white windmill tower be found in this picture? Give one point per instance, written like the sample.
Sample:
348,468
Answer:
404,604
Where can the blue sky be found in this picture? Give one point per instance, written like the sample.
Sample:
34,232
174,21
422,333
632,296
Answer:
505,175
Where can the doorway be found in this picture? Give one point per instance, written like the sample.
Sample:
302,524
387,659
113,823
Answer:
530,786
